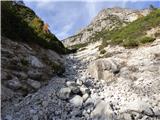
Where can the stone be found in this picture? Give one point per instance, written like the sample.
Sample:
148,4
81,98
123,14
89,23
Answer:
124,72
77,101
145,118
76,112
85,113
45,103
85,97
4,75
88,83
103,69
74,67
73,86
70,83
34,74
20,75
85,90
64,93
103,111
156,111
34,84
35,117
79,82
75,89
6,93
14,83
127,116
140,107
24,64
90,101
35,62
32,111
8,117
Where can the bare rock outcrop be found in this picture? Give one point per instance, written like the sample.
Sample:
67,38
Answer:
104,69
107,19
26,68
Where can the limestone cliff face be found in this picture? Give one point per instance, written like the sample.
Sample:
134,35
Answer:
108,19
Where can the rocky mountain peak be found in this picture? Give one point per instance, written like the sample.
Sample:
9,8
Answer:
127,15
107,19
103,80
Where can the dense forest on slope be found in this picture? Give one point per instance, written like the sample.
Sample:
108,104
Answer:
22,24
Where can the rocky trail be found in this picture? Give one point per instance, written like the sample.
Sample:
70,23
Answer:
62,99
78,96
103,80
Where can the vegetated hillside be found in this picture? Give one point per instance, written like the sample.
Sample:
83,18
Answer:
133,34
31,55
107,20
21,23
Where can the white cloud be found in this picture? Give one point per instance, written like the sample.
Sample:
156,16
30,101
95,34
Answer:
43,4
65,31
91,9
67,17
62,35
67,27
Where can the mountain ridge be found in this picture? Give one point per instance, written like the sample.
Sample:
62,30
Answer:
104,80
107,19
16,17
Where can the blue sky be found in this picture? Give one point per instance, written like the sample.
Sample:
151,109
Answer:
65,18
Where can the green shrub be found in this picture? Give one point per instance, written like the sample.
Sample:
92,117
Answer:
130,43
144,40
133,34
21,23
78,46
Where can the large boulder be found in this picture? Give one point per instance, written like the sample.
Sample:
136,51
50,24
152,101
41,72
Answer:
139,107
64,93
77,101
6,93
103,111
14,83
34,84
35,62
104,69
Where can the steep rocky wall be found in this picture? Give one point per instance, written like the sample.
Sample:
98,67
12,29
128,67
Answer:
26,68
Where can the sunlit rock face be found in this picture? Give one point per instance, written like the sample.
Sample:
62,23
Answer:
107,19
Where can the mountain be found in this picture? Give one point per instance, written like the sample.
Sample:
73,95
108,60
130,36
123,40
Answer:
107,20
22,24
30,54
143,30
102,81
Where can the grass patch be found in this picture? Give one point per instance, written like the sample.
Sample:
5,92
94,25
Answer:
144,40
78,46
132,35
